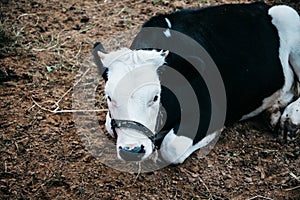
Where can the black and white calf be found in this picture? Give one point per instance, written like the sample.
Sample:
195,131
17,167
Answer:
257,51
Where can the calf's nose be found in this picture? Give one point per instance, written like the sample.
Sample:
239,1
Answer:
132,154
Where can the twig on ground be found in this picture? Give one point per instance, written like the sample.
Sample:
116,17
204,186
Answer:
30,14
56,110
266,150
293,188
71,88
295,176
136,177
259,196
207,189
5,167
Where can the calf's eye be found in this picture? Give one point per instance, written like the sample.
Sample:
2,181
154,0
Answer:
155,98
108,97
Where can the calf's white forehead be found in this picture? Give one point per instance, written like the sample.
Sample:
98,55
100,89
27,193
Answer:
132,58
121,89
130,70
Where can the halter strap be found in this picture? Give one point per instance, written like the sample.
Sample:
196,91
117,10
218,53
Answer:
118,123
156,139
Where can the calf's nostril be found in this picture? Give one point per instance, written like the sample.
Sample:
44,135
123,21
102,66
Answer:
132,154
139,149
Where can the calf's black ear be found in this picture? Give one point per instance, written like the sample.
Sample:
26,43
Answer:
101,69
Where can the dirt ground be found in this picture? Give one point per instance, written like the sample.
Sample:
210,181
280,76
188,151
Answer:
43,44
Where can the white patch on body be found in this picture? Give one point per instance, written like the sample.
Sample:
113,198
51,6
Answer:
176,149
286,20
167,31
168,22
292,113
202,143
173,147
290,120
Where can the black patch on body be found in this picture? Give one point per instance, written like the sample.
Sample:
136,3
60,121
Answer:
243,43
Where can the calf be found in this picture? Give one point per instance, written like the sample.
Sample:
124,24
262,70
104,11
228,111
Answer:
256,51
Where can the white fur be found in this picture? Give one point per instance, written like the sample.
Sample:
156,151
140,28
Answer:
168,22
108,125
167,31
130,138
173,147
286,20
176,149
132,84
291,114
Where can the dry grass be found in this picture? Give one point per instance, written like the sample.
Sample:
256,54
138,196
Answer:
43,154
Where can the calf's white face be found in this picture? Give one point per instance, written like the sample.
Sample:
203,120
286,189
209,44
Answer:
133,93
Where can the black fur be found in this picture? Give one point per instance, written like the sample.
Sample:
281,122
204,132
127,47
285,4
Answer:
243,43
